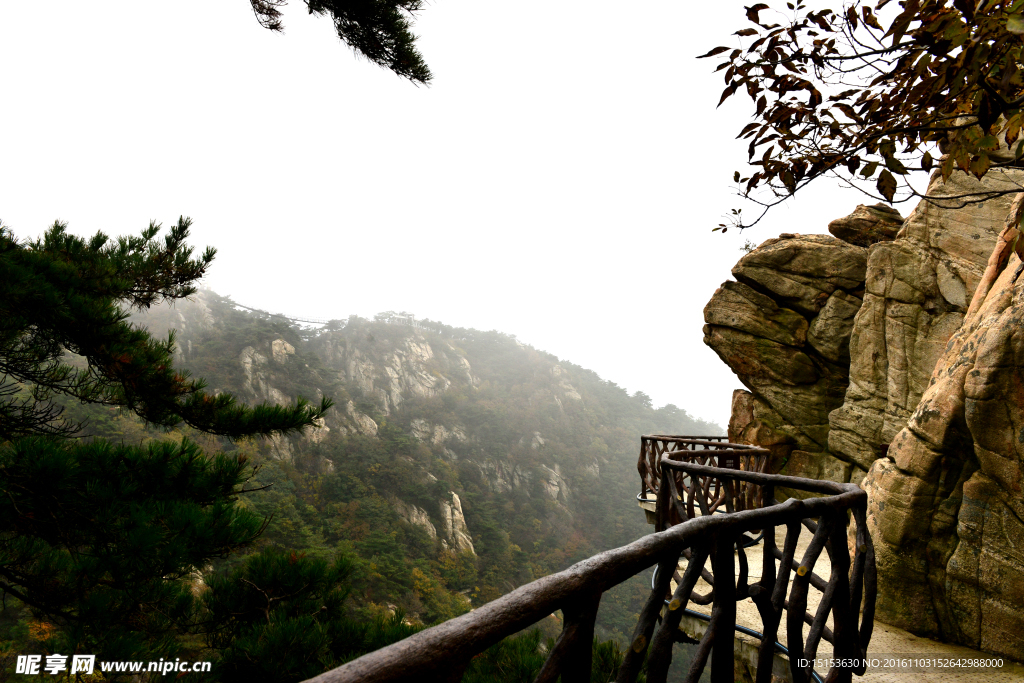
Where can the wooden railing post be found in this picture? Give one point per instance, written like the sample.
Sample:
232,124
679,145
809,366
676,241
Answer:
651,614
661,648
723,612
572,655
844,615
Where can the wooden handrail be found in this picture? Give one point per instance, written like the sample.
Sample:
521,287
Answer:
443,652
714,451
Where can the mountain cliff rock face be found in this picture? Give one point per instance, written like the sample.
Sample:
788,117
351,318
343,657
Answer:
947,505
933,409
455,463
784,328
389,372
918,289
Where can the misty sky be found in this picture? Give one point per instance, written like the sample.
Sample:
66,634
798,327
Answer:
559,180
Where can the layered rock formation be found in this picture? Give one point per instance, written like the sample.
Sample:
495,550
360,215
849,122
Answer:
947,507
784,328
454,532
391,371
868,225
918,289
934,408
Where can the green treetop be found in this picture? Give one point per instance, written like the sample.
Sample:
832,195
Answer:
105,541
63,294
379,30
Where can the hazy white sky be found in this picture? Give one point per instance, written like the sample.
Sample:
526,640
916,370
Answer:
558,181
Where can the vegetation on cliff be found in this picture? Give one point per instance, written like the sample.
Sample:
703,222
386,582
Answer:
457,465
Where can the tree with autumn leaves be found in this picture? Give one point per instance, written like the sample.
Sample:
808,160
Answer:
874,93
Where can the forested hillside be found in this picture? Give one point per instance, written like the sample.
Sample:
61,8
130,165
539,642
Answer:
455,465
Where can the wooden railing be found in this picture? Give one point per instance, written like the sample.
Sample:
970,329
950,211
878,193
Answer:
713,451
841,594
443,652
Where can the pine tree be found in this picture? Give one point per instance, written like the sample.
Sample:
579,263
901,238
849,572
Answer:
281,617
104,541
66,299
379,30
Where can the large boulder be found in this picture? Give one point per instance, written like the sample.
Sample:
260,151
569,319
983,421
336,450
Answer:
802,271
868,225
784,328
946,507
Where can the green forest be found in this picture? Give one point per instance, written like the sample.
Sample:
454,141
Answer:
455,466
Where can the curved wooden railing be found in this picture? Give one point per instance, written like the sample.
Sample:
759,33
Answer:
443,652
712,451
841,594
653,446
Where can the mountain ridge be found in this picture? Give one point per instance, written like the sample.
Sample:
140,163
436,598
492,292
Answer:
457,464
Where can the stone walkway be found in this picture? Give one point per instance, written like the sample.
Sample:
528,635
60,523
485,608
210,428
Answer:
886,640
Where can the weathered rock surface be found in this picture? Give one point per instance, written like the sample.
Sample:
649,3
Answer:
414,515
802,271
784,329
553,485
917,290
566,388
504,477
868,225
394,370
934,410
362,423
438,435
946,507
453,523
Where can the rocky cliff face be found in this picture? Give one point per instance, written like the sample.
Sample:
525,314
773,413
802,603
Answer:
389,371
947,504
931,416
918,289
784,328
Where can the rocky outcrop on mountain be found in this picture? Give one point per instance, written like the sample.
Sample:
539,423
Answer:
503,477
784,328
932,421
918,288
391,370
437,434
414,515
947,505
453,525
454,532
566,388
868,225
553,485
258,382
363,423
